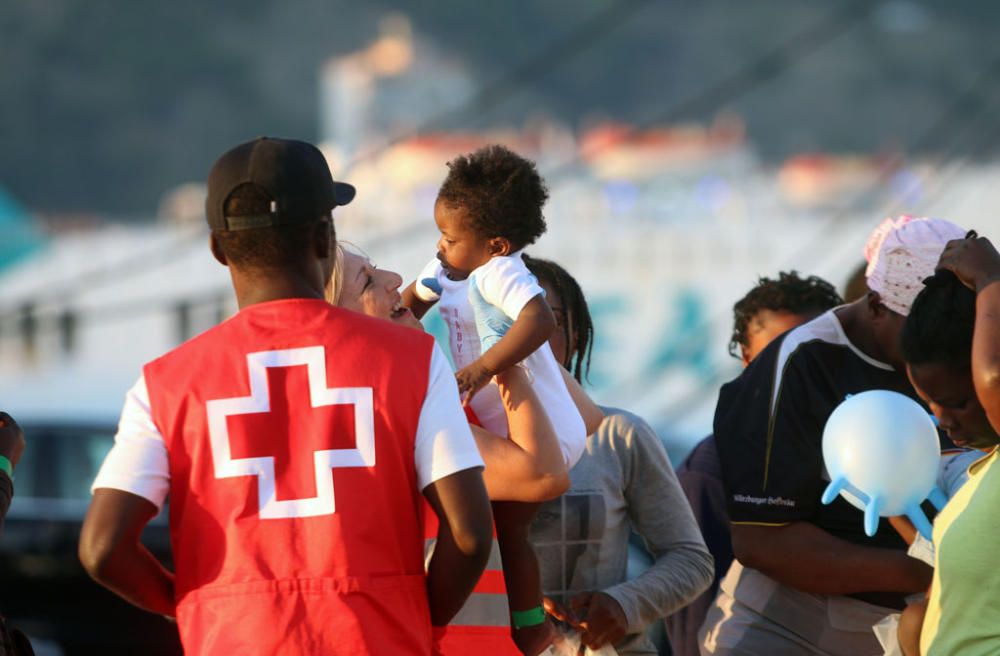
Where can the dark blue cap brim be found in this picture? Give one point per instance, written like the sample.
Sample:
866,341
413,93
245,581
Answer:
343,193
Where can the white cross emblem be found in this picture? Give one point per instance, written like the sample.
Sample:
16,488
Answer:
363,455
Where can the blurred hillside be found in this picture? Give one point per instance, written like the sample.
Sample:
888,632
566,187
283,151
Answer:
107,105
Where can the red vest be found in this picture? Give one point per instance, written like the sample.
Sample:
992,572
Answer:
294,508
482,626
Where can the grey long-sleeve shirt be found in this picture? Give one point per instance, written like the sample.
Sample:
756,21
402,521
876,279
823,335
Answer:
624,481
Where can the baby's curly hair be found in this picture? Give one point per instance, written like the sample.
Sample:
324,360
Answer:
789,293
500,191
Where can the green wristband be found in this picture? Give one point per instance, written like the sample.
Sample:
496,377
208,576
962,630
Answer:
6,467
524,618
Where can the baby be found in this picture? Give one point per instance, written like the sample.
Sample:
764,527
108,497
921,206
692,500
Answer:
488,209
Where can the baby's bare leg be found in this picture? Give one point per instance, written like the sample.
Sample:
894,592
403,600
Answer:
521,575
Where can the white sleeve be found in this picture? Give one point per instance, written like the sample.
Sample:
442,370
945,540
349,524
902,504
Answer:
137,462
444,443
432,270
922,549
506,283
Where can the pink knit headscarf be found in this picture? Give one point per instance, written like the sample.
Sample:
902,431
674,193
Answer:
902,252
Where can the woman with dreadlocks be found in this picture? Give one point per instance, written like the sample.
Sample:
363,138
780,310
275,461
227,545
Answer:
623,482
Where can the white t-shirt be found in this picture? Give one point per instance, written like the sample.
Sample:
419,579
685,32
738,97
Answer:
506,283
444,445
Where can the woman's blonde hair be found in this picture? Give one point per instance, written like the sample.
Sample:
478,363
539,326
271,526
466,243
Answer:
335,286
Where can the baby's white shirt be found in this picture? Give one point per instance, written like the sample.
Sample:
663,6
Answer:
506,283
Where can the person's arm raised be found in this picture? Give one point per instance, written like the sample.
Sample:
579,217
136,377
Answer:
807,558
464,540
111,552
986,352
529,466
591,413
529,332
418,306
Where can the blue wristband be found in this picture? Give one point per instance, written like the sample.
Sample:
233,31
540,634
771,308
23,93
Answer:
6,467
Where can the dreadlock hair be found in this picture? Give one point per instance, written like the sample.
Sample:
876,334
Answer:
941,322
576,324
501,193
269,247
789,293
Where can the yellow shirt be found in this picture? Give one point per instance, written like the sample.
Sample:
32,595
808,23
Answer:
963,614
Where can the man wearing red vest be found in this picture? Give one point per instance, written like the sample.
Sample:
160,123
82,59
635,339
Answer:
294,441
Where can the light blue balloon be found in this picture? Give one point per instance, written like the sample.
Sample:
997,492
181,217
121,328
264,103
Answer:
881,452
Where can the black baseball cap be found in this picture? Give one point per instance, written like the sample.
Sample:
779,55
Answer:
293,174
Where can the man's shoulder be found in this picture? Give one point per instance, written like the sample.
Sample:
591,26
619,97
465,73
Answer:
824,343
359,329
808,341
793,366
805,352
618,424
622,431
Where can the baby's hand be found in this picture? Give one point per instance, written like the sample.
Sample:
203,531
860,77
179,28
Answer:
471,379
